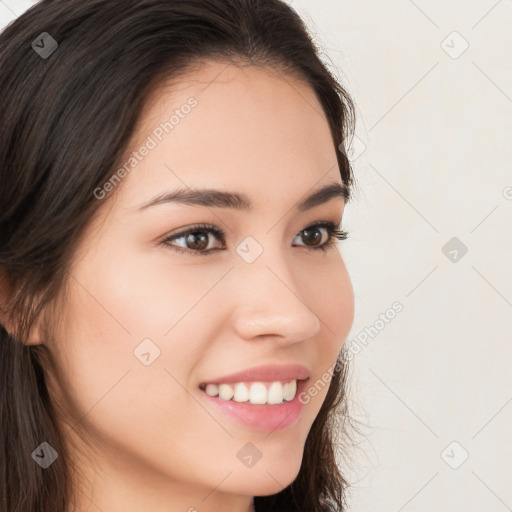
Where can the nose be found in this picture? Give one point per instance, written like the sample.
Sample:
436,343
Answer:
270,304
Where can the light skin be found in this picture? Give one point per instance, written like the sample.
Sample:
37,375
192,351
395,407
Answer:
162,446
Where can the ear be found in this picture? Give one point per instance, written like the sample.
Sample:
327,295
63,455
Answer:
6,291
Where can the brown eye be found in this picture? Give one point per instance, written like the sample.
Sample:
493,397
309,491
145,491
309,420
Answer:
312,236
195,240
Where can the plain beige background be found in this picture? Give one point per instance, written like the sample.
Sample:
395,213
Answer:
432,81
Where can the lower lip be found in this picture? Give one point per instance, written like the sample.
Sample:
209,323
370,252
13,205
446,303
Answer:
266,418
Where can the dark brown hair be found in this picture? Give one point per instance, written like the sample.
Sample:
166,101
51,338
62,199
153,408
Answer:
66,121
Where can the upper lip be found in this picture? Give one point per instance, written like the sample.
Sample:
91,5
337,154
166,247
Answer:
264,373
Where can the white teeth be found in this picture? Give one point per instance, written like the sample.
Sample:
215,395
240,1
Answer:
241,393
256,393
289,390
212,389
275,393
226,392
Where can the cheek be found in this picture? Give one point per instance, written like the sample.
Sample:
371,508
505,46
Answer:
335,308
334,305
121,402
120,316
149,295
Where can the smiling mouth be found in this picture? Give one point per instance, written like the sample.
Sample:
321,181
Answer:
255,393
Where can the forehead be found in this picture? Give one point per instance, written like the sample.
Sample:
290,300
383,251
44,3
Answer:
248,129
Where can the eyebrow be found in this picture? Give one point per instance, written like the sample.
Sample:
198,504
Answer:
221,199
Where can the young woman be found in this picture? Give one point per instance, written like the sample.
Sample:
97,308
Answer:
173,303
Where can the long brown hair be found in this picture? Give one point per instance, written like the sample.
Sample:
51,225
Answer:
66,120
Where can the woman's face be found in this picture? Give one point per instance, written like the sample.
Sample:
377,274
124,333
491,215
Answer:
145,327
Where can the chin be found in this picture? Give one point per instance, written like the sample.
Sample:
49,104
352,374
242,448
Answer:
269,479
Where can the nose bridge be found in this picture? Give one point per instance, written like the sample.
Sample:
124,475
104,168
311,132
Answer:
269,302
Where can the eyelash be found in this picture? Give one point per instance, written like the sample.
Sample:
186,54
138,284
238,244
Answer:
335,233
